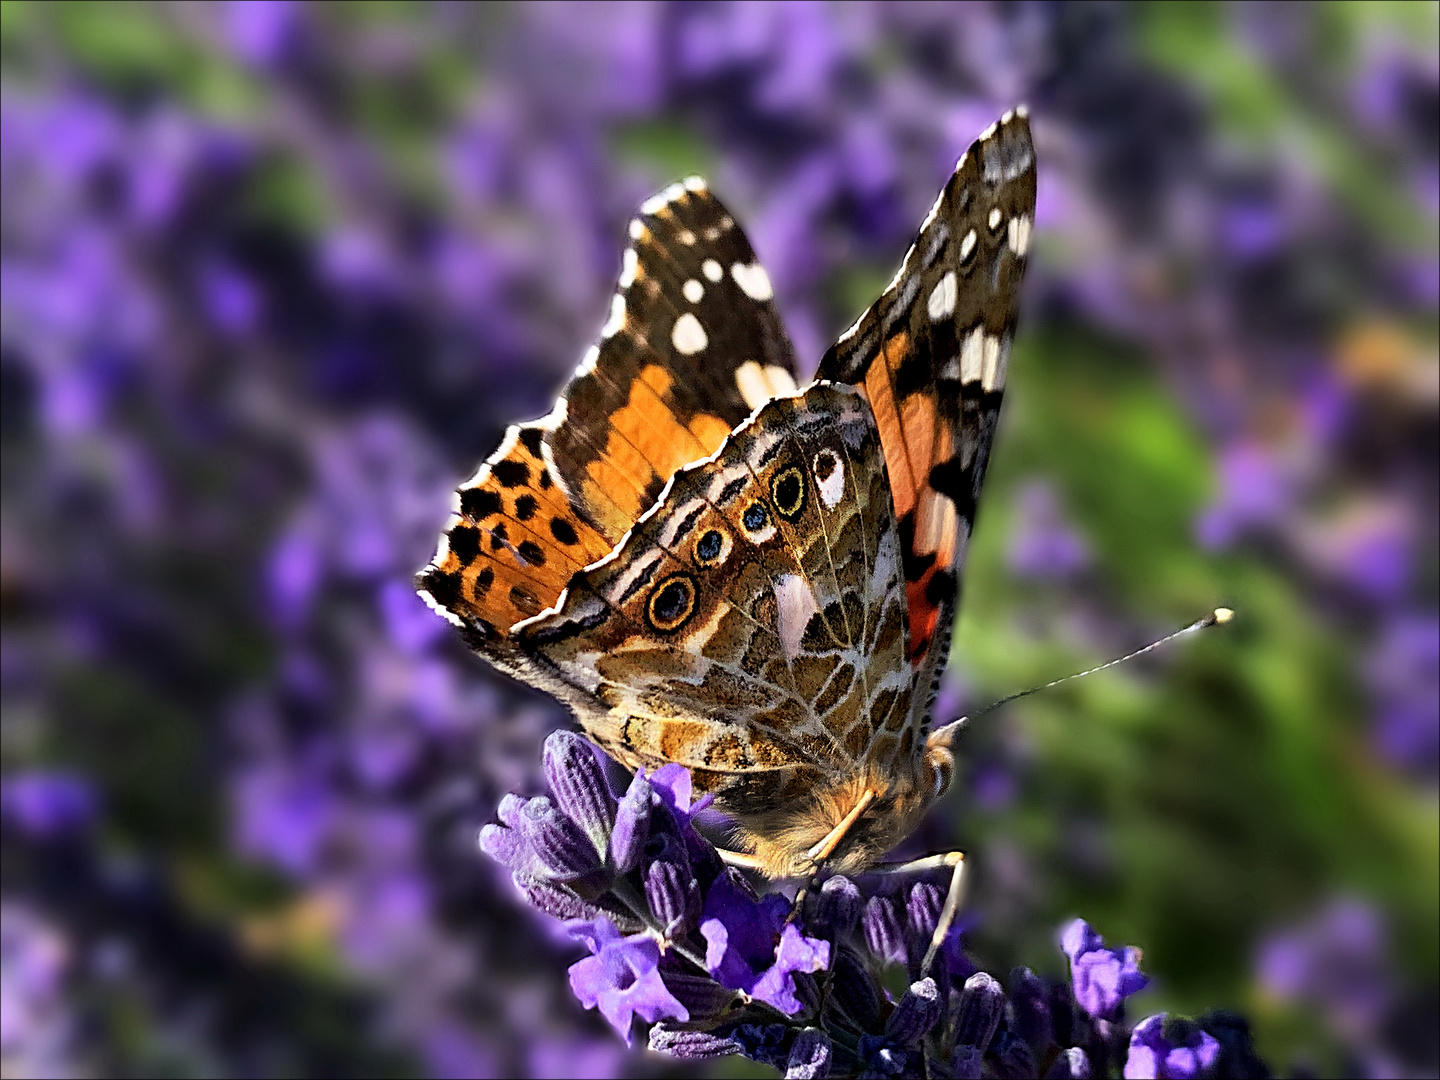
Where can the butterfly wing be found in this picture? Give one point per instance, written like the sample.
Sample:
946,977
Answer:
931,355
751,625
691,346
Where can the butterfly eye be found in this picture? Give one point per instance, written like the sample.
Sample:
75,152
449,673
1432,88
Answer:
672,603
788,491
755,517
709,548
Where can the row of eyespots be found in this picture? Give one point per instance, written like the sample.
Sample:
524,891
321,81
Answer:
672,601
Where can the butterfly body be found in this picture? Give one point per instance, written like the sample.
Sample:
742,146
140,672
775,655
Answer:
714,567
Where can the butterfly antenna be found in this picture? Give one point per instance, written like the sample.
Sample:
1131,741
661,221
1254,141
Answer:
1218,617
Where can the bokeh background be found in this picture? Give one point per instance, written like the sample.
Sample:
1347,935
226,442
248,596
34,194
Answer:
275,276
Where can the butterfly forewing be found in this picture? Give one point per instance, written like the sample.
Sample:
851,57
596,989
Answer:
691,346
931,355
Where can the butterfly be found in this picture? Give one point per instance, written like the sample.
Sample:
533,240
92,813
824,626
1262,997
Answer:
713,565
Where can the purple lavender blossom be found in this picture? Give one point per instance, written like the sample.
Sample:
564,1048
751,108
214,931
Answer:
751,947
622,977
1103,977
1167,1048
47,803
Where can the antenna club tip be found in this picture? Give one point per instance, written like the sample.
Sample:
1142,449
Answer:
1222,615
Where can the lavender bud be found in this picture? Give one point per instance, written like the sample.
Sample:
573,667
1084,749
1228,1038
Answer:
702,997
632,826
578,785
1030,998
838,906
507,847
554,900
883,933
764,1043
690,1044
673,897
1014,1059
981,1003
916,1013
1072,1064
965,1063
922,909
563,851
809,1056
854,991
510,809
1062,1015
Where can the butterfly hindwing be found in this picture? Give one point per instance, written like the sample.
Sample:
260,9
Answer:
691,346
931,355
705,640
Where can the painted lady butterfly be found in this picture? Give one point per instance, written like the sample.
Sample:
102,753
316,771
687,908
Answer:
714,567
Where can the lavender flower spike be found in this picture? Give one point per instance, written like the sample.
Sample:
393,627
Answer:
1102,977
1170,1048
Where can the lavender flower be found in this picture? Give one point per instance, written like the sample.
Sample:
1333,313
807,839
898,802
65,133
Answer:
686,945
1103,977
1165,1048
622,977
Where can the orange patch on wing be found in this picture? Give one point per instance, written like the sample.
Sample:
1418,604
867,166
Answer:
923,616
891,426
681,739
647,442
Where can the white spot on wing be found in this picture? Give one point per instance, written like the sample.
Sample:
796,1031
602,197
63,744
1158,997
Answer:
693,290
630,268
686,237
1020,234
942,298
617,318
995,216
935,520
781,381
993,378
796,605
688,337
592,354
1022,111
754,387
967,245
753,280
971,355
694,183
654,204
832,488
712,269
637,228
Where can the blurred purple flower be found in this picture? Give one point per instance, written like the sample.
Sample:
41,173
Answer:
1167,1048
1254,491
1102,977
1042,543
1404,675
1336,961
48,803
262,32
622,977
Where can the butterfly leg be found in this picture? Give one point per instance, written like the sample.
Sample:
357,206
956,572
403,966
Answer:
739,859
955,862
